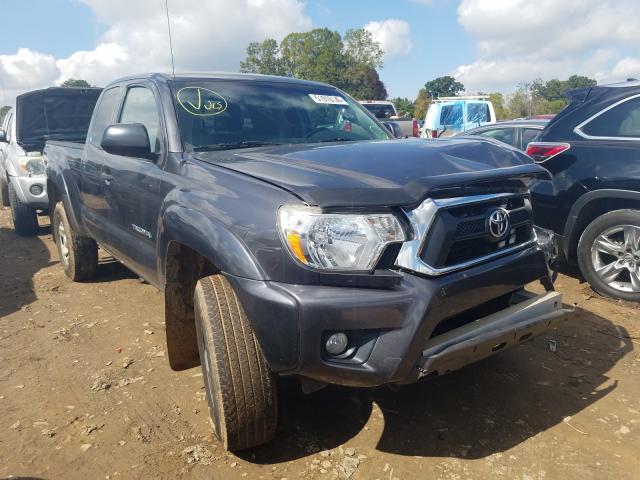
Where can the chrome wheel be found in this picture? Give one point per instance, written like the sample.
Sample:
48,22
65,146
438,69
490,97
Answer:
63,243
615,255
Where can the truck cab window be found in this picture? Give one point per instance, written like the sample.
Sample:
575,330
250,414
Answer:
103,115
140,107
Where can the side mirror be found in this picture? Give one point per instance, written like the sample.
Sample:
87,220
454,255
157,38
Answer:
3,136
127,140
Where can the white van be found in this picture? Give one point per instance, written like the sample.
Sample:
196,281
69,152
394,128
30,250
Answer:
448,116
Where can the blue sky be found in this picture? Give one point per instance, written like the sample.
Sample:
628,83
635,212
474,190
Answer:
439,43
489,45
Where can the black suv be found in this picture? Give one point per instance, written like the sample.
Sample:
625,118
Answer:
592,149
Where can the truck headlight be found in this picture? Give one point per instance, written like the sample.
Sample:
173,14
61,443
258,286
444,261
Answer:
337,241
31,164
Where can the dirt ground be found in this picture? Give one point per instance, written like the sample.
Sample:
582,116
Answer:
86,392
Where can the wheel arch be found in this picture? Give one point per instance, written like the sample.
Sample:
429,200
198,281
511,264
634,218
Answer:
193,246
589,207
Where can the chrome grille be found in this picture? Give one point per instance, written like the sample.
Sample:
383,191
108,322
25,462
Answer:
452,234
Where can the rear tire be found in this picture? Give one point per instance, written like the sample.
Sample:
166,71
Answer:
25,219
609,254
4,193
78,255
241,389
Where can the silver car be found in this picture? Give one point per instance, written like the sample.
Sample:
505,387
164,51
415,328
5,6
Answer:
58,113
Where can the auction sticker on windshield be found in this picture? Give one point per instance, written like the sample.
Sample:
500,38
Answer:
201,101
328,99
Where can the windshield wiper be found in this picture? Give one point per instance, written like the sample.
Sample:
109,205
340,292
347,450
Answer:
232,146
338,140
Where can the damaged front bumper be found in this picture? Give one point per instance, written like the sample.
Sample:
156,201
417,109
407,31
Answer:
529,316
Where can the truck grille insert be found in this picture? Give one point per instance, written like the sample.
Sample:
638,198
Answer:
456,233
463,233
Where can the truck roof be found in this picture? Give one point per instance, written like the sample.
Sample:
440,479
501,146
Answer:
166,77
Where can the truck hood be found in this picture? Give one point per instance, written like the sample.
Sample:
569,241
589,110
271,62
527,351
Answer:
61,113
380,173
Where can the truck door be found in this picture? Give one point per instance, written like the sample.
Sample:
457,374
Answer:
132,186
95,211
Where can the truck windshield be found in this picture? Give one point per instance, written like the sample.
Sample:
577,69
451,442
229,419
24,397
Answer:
225,115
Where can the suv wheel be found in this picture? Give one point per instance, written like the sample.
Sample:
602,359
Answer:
4,193
241,389
78,255
25,218
609,254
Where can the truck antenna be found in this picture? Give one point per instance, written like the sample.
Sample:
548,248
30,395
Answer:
173,67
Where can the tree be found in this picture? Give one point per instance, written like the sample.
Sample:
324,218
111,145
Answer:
3,112
497,100
263,58
361,48
363,82
421,104
404,106
526,101
72,82
555,89
446,86
324,56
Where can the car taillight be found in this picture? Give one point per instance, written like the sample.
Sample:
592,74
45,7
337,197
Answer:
543,151
431,133
416,129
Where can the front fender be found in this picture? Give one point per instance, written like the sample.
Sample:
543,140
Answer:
210,238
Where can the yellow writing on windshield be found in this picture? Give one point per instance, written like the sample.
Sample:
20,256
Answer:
201,101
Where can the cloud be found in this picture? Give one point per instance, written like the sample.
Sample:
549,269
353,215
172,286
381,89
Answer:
519,40
394,36
211,35
25,70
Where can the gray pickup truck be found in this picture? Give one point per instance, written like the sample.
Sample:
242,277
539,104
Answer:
292,237
51,113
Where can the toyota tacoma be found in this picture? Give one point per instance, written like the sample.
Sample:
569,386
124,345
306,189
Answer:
293,237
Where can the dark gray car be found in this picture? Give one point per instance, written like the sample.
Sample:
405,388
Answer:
517,133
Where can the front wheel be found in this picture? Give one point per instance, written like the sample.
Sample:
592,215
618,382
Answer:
4,193
241,389
609,254
78,255
25,218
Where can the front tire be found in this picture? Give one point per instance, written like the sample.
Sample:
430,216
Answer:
241,389
4,193
25,219
609,254
78,255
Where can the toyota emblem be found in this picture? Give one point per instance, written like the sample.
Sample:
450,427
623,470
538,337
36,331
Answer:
498,223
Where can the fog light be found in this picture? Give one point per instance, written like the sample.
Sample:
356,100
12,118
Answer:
337,343
36,189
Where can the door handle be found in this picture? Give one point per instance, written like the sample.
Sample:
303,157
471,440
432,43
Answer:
107,177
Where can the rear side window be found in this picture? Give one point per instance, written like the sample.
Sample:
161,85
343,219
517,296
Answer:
623,120
140,107
478,113
451,114
103,115
504,135
529,135
380,111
